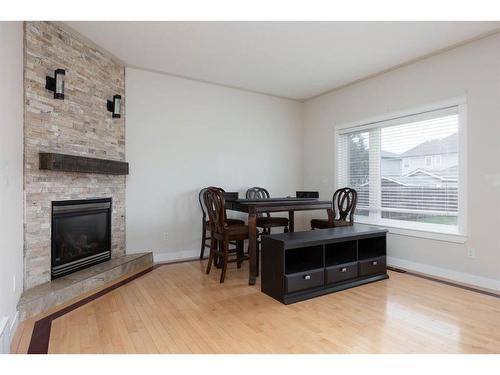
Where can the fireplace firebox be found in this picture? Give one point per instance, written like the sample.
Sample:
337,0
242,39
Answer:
81,234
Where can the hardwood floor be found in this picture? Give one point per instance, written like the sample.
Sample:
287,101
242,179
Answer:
178,309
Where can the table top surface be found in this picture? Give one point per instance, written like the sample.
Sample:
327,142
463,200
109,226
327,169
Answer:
283,200
311,237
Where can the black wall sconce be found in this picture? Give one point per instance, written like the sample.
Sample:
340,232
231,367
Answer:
56,84
115,106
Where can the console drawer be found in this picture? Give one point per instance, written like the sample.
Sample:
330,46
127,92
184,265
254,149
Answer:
342,272
304,280
372,266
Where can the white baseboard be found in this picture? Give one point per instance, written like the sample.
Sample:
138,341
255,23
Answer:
456,276
179,255
4,335
8,328
13,326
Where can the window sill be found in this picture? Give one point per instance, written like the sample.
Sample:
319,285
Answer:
446,236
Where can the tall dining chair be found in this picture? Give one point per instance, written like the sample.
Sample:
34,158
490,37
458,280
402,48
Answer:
222,233
205,233
342,212
266,221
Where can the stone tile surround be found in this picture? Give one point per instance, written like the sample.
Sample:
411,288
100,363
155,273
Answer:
78,125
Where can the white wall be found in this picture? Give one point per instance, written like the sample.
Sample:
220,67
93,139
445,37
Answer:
11,171
183,135
472,70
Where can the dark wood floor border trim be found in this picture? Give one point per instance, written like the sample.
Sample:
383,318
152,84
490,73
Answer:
39,343
446,282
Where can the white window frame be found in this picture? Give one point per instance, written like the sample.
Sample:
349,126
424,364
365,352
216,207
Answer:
446,233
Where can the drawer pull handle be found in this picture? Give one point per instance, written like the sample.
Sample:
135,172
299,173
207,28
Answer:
307,277
374,263
343,270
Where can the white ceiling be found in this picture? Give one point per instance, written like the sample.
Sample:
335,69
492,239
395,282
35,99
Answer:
296,60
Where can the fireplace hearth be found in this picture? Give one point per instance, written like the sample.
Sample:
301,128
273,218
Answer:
81,234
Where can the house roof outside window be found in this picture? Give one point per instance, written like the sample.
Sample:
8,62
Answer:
446,145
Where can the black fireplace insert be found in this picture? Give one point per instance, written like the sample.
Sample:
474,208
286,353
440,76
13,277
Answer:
81,234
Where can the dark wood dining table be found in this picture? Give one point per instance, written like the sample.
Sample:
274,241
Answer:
254,207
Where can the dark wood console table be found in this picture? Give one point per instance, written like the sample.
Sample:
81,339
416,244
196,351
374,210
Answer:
301,265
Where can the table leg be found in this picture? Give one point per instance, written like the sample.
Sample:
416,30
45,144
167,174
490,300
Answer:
252,246
291,224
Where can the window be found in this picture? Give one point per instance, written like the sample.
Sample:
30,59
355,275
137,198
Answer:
406,170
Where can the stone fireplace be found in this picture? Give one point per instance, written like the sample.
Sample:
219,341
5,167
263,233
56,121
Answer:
78,125
74,172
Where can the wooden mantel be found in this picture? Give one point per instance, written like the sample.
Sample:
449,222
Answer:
81,164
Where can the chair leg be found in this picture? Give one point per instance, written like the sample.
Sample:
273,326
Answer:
203,239
213,244
240,252
257,258
224,260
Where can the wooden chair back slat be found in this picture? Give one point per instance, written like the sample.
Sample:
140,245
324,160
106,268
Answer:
215,206
344,204
258,193
202,203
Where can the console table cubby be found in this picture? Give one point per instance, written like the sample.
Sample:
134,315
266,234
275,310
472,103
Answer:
301,265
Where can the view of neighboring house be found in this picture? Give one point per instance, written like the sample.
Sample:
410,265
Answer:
420,184
427,182
431,163
437,154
